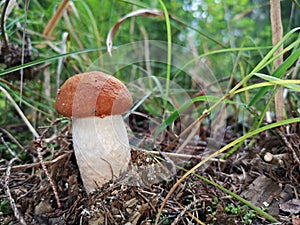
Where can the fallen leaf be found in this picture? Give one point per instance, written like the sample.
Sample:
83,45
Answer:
140,12
292,206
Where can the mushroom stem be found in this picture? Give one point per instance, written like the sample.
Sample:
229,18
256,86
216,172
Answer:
102,149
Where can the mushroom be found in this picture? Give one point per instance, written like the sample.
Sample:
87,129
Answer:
95,101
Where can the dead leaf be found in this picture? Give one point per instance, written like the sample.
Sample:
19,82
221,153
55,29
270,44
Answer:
261,191
292,206
140,12
43,207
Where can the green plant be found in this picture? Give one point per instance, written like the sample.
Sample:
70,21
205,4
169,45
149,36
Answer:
211,212
249,216
232,209
5,207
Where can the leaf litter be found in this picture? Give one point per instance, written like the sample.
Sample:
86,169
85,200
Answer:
135,197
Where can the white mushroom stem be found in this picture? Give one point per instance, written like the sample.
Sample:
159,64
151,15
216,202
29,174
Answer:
101,148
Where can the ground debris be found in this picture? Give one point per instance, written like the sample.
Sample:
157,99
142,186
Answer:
291,206
135,197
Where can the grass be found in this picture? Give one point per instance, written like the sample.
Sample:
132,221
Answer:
242,92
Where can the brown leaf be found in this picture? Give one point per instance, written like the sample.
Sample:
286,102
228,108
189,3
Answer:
140,12
292,206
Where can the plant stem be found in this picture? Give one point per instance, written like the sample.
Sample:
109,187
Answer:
277,30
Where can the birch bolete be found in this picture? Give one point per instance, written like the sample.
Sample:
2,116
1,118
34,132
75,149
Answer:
96,102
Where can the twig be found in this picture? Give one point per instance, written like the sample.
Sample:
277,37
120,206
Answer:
38,144
12,138
8,148
170,154
12,203
185,209
289,146
31,128
40,157
6,47
277,159
36,165
17,214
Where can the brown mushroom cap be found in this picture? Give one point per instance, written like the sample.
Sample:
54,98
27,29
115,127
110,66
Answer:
93,94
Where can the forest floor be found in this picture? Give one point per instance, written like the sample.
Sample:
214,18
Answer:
27,196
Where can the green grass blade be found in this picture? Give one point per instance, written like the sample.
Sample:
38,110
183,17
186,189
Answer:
231,144
244,201
48,59
279,72
291,84
169,59
174,115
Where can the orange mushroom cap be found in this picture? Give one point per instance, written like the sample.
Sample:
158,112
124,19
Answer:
93,94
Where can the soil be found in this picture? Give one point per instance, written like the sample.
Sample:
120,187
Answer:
28,195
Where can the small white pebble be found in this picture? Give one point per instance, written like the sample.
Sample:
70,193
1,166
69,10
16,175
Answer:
85,212
266,204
